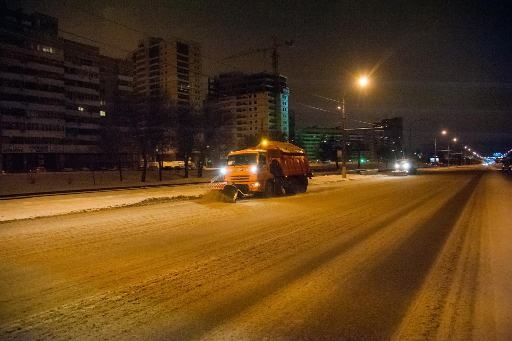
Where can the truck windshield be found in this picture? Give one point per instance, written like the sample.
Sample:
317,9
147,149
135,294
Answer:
242,159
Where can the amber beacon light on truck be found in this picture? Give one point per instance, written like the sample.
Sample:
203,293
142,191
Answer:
270,168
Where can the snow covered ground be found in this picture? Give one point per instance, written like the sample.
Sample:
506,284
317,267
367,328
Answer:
48,205
379,257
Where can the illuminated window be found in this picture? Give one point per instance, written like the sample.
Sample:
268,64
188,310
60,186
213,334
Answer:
103,113
81,109
46,49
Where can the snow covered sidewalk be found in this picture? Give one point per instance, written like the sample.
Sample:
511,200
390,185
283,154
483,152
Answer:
55,204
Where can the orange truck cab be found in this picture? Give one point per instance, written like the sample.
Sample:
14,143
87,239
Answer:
270,168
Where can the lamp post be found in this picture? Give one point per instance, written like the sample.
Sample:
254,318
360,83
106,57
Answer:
443,132
454,148
362,82
344,139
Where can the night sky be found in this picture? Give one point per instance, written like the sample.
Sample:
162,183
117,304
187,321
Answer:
438,64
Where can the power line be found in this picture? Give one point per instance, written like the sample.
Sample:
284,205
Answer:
333,112
327,98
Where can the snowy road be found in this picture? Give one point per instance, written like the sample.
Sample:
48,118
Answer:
419,257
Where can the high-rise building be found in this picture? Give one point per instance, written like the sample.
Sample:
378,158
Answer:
169,69
82,93
50,104
116,85
248,107
32,95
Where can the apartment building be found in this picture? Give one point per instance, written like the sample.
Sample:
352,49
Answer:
169,69
50,104
116,82
82,93
248,107
116,109
32,91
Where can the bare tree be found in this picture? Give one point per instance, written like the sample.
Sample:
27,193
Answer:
188,127
153,128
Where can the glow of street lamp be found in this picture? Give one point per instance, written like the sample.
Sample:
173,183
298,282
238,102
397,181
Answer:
444,132
454,139
363,81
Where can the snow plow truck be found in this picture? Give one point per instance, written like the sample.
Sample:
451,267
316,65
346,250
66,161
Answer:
271,168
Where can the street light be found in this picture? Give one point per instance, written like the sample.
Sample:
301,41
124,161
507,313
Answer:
443,132
454,142
363,81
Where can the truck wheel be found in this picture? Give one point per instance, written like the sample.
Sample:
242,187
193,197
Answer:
302,184
269,189
292,186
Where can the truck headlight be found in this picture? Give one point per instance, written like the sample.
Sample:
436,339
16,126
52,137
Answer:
223,170
253,169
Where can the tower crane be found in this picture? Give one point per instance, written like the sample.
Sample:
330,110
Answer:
276,132
275,53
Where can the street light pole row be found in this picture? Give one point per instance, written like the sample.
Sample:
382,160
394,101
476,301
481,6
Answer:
462,153
444,132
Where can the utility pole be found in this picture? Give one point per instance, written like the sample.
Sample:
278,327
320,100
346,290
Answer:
435,150
448,155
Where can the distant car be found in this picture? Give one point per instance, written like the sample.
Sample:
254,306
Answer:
406,166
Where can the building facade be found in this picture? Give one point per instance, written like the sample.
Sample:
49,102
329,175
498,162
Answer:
248,107
381,141
51,108
169,69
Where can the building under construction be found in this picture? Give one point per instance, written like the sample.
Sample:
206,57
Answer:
247,107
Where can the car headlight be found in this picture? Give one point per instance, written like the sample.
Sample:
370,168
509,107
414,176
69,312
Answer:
406,165
397,166
253,169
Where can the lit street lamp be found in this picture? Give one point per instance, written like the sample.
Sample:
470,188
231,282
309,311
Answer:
443,132
362,82
454,141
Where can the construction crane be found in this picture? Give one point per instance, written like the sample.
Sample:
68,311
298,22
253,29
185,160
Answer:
275,54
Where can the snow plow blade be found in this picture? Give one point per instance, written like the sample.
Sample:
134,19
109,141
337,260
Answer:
229,193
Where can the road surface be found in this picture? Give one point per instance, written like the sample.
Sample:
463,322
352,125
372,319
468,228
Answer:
419,257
